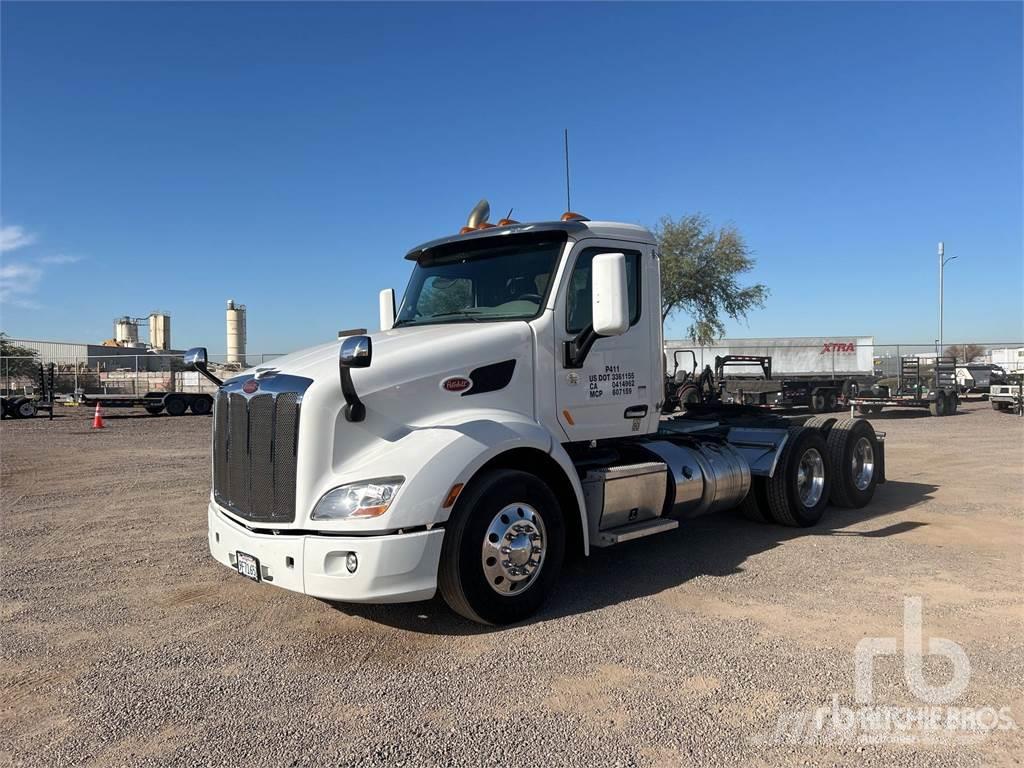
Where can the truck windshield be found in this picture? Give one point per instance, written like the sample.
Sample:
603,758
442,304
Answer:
474,283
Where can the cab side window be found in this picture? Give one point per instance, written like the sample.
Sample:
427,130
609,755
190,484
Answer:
578,301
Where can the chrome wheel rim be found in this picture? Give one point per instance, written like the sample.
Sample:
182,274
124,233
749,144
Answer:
513,550
863,461
810,477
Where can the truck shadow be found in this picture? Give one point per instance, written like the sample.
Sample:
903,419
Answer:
716,545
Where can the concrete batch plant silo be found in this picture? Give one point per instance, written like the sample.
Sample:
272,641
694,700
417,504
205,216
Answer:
126,331
236,333
159,330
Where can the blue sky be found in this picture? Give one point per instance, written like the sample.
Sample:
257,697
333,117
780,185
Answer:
172,156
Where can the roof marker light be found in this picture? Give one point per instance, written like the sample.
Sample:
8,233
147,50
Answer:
571,216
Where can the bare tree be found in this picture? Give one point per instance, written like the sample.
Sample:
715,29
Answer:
700,267
965,353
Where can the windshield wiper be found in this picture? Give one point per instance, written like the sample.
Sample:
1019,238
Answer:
470,313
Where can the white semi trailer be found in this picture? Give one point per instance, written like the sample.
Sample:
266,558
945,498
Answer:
505,417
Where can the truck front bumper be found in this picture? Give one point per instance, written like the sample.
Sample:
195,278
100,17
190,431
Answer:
395,568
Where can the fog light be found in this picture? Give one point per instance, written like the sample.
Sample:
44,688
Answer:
351,562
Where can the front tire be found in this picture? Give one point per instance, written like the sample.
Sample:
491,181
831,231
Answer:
939,406
503,548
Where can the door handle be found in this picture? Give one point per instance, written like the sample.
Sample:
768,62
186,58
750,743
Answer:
635,412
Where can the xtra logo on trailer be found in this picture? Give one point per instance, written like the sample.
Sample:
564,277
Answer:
837,346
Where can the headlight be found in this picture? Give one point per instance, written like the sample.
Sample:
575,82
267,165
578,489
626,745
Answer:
369,498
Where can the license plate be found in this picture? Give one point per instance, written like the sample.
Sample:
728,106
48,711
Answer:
247,565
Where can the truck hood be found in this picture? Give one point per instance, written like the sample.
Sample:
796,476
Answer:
403,382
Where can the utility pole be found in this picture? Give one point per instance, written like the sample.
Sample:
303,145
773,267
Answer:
942,264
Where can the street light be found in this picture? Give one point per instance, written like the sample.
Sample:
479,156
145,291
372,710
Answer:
942,264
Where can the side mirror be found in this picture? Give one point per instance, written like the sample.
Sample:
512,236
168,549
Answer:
387,309
196,359
356,352
610,297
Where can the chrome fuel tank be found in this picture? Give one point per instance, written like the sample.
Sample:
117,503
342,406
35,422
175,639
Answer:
709,476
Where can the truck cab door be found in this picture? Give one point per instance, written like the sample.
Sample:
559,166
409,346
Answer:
614,392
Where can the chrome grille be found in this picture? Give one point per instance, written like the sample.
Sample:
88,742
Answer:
255,447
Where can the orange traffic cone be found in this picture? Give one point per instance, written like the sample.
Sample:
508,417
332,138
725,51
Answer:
97,419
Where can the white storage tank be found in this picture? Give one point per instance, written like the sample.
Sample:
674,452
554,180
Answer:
125,331
236,333
159,330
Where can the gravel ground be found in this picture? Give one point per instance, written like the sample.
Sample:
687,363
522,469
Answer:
124,643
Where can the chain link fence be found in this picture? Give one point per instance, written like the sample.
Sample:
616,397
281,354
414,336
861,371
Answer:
857,357
847,357
112,374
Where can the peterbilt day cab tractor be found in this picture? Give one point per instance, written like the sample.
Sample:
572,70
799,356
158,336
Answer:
506,416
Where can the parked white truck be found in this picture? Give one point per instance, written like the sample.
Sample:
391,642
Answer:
507,415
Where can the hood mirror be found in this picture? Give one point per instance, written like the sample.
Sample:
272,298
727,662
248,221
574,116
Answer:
355,352
196,359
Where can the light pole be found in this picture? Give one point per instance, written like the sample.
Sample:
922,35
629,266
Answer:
942,264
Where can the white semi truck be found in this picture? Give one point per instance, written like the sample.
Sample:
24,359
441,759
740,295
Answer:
505,417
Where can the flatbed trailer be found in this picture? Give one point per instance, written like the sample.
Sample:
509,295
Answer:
175,403
938,392
27,406
820,393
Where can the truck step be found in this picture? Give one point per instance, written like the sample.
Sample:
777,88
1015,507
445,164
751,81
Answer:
634,531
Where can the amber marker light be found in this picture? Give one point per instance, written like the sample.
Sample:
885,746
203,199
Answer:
453,494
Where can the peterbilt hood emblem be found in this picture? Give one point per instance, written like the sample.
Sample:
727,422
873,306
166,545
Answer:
250,386
456,384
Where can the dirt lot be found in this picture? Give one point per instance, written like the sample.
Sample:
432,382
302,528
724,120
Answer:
124,643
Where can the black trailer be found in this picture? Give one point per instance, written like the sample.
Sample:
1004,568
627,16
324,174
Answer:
175,403
26,406
820,393
935,390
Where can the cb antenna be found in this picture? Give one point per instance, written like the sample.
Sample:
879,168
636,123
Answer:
568,200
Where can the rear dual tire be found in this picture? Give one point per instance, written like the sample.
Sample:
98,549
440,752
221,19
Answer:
798,492
842,457
854,455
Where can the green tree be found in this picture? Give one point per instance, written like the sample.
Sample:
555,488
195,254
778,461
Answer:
19,360
700,267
